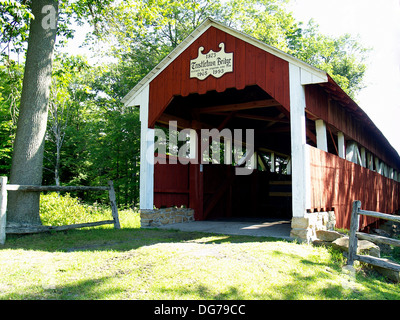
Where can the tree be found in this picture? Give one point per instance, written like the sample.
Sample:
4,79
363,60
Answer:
62,97
27,161
142,32
14,26
269,21
343,57
58,120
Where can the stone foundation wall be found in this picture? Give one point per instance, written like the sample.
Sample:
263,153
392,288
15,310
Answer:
159,217
305,228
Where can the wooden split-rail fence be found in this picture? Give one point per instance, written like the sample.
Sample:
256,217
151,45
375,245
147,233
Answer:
355,235
10,228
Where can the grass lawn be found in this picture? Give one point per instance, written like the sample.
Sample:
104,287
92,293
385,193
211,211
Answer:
133,263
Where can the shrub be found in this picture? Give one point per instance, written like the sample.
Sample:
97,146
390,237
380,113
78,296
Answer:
57,210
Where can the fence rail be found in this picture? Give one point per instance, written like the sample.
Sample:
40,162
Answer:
355,235
27,188
8,228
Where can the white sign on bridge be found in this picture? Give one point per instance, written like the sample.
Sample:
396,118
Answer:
212,63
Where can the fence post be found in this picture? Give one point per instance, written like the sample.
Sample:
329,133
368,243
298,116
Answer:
3,209
354,224
113,201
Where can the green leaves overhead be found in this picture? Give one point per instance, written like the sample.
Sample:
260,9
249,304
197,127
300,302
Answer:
14,25
140,33
343,57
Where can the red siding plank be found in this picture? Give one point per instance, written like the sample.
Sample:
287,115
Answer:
286,88
230,45
240,65
269,75
279,84
184,76
261,69
317,103
336,183
251,66
170,182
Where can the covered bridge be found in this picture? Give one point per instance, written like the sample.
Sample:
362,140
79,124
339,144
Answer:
309,149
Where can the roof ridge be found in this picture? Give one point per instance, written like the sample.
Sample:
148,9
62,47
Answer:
203,27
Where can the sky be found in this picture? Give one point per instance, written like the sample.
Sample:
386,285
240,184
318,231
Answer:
377,23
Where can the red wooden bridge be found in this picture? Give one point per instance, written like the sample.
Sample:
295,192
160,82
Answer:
315,148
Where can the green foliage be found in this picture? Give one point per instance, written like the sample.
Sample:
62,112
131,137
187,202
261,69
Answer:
62,98
90,137
58,210
336,256
10,90
396,254
343,57
14,25
100,136
266,20
269,21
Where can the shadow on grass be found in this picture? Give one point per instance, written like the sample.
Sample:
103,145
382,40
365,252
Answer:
104,239
126,239
98,288
89,289
129,282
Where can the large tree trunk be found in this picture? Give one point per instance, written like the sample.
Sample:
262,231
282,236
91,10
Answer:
27,161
